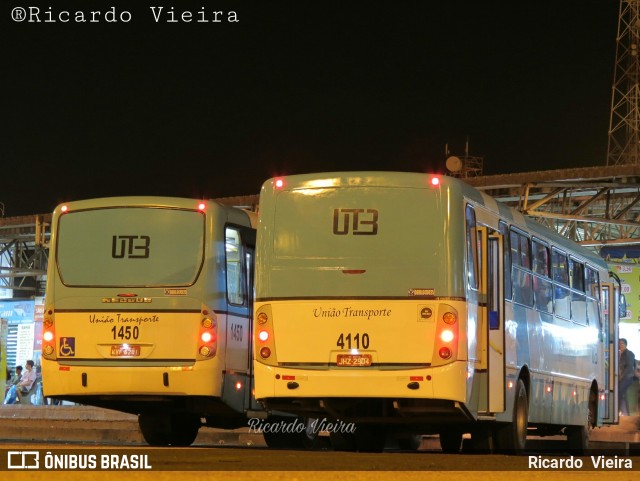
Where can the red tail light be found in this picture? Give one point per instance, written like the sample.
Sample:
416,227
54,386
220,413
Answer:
208,338
48,334
265,350
446,340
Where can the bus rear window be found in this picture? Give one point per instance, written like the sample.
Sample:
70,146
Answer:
130,246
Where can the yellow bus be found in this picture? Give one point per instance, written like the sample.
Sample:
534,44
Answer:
148,311
399,304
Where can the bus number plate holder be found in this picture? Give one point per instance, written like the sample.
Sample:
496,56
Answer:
353,360
125,351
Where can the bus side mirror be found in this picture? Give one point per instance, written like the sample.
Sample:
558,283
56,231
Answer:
622,307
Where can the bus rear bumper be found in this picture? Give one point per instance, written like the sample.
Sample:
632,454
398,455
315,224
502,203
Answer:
69,380
430,394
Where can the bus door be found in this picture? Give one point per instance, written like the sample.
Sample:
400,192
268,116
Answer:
609,336
238,379
492,337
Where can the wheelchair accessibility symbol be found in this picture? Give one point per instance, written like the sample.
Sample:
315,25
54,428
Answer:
67,347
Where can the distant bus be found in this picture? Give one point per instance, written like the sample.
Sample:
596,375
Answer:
407,304
148,311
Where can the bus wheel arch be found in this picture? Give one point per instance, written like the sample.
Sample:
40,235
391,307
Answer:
511,437
578,436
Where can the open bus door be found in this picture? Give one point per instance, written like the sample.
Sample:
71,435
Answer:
492,337
611,297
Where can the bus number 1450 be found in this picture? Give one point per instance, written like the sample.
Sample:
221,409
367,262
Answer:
125,332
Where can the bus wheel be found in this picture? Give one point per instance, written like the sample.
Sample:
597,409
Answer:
451,441
410,442
578,436
172,430
307,438
512,437
370,438
364,438
184,429
342,441
155,429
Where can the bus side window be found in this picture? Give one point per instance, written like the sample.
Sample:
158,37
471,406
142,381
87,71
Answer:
561,292
592,288
578,298
235,267
504,230
542,287
472,245
521,274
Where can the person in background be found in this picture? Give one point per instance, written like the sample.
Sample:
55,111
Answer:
626,374
13,380
26,381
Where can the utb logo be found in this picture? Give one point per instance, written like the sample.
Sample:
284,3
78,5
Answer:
355,221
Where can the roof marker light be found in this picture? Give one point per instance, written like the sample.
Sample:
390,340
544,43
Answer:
435,181
279,183
64,208
202,206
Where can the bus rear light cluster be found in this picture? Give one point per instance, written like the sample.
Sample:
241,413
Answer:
48,334
208,335
446,339
264,341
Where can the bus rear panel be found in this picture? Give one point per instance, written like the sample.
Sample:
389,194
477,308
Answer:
148,309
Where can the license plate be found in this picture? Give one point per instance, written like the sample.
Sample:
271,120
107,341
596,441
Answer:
354,360
125,351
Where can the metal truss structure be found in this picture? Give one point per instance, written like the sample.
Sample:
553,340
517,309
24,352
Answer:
24,254
594,206
624,123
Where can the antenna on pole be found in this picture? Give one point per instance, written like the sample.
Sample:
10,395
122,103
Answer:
464,166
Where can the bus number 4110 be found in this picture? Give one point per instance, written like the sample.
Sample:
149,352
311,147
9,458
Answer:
357,341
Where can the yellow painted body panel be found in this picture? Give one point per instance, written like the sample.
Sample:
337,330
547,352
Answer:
90,335
308,336
144,380
447,382
308,331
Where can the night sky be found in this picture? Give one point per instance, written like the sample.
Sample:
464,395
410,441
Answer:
208,110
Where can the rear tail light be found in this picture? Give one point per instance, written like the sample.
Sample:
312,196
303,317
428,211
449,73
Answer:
447,334
264,340
48,334
208,335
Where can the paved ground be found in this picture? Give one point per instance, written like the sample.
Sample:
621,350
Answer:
95,425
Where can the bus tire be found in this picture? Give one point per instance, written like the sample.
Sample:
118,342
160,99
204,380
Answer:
410,443
512,437
365,438
370,438
342,441
578,436
450,441
309,438
155,429
169,430
184,429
